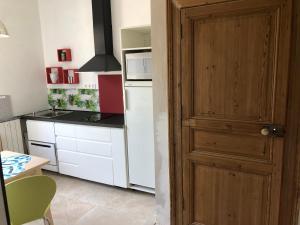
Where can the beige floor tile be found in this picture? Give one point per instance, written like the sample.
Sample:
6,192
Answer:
105,216
80,202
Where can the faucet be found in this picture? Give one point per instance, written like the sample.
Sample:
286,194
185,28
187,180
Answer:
53,107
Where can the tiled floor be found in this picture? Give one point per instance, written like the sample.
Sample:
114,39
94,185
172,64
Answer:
79,202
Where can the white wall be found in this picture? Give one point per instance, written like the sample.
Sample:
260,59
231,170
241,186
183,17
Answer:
69,24
21,58
128,13
160,95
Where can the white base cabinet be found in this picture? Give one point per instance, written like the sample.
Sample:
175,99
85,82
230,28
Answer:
40,131
92,153
88,167
41,142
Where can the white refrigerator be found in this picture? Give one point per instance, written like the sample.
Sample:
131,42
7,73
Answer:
140,135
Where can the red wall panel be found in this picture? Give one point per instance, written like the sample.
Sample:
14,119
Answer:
111,94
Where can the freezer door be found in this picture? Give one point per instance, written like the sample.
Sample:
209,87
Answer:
140,135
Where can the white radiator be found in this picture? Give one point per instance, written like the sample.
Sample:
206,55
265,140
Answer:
5,107
11,136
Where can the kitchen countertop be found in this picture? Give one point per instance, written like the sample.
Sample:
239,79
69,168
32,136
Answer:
3,120
79,118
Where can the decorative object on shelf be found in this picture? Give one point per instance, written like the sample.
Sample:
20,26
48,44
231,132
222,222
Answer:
71,76
55,75
74,99
3,30
64,55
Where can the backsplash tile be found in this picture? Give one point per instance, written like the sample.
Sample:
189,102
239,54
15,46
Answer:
74,99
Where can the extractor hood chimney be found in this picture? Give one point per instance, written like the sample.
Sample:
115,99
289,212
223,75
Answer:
104,59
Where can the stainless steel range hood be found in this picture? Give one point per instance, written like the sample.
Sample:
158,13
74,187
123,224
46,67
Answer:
104,59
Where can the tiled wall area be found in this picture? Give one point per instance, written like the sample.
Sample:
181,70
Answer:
74,99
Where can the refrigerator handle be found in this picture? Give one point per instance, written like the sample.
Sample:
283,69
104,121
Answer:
126,100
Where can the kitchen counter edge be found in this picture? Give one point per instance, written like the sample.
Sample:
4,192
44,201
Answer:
113,122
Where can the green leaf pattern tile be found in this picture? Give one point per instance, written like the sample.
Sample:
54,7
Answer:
74,99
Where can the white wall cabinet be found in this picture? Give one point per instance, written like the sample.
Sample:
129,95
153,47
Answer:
92,153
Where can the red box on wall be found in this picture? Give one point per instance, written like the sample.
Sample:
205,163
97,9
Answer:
69,79
58,71
111,94
64,55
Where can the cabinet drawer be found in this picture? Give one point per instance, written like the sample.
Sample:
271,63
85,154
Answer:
66,143
65,130
69,169
88,167
93,133
83,132
94,148
43,150
96,168
68,157
40,131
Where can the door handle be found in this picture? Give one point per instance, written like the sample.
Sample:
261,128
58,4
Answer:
273,130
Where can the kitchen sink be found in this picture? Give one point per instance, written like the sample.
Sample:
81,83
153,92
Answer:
49,114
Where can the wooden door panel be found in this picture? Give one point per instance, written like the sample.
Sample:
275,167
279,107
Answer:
233,64
249,146
194,3
233,83
226,197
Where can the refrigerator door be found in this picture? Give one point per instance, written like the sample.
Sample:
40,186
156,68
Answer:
140,136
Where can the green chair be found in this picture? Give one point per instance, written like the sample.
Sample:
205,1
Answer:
29,199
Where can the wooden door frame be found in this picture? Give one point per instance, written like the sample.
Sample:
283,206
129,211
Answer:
290,205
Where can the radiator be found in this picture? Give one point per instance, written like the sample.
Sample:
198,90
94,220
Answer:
5,107
11,136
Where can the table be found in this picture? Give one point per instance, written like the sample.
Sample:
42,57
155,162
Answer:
33,167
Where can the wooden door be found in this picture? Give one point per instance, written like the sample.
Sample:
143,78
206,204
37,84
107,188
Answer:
232,73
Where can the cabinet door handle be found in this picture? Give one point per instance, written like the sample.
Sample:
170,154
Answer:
40,145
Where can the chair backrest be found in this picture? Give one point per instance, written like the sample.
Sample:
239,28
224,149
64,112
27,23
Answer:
29,198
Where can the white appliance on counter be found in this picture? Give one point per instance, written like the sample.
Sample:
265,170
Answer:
140,135
41,142
138,66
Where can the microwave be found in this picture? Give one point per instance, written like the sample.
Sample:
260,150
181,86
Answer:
138,66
